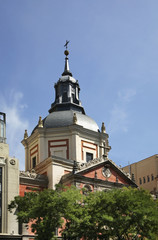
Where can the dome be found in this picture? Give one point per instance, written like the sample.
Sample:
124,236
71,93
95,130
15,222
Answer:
65,118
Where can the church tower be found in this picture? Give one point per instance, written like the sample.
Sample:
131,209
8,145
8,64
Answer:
65,147
66,136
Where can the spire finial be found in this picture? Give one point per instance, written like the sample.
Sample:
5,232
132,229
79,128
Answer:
103,130
67,42
66,69
66,51
40,122
25,134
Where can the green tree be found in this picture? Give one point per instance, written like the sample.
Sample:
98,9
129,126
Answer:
45,210
42,210
120,214
72,212
134,213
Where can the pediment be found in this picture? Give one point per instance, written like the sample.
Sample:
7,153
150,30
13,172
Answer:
105,170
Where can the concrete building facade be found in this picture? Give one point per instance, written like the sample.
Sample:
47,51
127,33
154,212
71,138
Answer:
9,182
145,173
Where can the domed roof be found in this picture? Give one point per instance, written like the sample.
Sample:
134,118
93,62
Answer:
65,118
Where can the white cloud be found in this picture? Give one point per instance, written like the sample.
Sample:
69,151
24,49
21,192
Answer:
126,95
15,124
119,120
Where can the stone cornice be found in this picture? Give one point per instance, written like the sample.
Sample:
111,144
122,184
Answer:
31,138
87,165
52,160
43,164
32,178
77,129
63,161
91,165
75,178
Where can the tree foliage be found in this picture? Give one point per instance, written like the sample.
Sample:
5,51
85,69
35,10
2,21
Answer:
118,214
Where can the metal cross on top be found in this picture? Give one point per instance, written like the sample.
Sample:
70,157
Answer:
66,44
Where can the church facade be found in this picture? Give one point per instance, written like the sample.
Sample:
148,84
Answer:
65,147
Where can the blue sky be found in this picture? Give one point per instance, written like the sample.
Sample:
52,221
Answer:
113,53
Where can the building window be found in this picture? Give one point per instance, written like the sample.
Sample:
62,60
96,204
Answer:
152,177
140,181
148,178
144,180
133,178
33,162
2,129
64,97
73,97
89,156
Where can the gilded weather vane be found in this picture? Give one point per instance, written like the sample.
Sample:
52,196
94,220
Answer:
66,44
